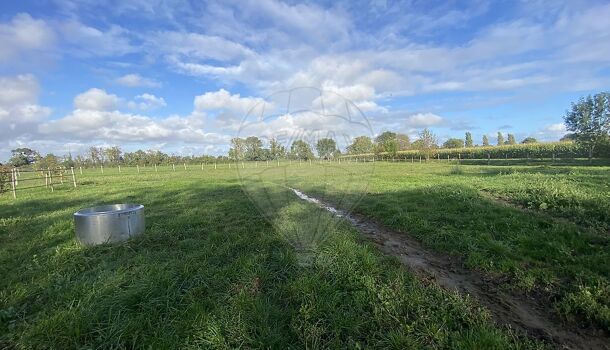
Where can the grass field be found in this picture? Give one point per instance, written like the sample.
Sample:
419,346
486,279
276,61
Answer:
233,260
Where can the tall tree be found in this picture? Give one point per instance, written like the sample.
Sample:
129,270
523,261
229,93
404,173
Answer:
95,154
238,149
427,142
500,139
276,150
360,145
511,140
589,120
469,142
326,147
485,140
301,150
403,142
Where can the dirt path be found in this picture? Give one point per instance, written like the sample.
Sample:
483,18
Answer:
519,312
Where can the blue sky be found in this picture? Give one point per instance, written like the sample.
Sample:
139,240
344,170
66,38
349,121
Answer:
180,75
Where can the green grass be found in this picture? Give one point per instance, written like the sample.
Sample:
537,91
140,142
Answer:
216,270
538,229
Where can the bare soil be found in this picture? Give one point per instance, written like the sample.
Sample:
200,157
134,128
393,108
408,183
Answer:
520,312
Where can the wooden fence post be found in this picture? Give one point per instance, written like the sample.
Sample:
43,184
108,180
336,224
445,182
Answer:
81,170
102,168
138,167
46,180
215,166
50,179
184,166
174,167
74,177
155,167
13,179
119,168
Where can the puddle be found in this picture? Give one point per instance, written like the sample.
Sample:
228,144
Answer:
516,311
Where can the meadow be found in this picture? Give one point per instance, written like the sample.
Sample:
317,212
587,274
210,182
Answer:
232,258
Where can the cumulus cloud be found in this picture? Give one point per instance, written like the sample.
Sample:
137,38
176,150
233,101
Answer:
423,120
147,102
19,108
231,106
24,34
136,80
97,100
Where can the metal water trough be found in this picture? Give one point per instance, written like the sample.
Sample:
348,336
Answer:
109,223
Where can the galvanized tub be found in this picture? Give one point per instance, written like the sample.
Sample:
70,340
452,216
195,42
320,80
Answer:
108,223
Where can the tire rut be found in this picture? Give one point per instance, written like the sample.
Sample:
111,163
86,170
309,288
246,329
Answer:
516,311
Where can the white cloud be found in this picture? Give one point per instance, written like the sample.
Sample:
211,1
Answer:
22,35
136,80
146,102
423,120
19,108
97,100
90,41
234,105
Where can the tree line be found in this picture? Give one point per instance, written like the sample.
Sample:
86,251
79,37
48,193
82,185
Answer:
588,120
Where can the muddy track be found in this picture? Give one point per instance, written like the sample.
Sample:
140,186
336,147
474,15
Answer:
517,311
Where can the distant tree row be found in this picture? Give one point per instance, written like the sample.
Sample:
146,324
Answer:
251,148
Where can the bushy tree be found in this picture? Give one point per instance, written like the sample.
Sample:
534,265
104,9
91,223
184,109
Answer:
253,148
23,156
468,140
589,120
326,147
113,154
301,150
511,140
360,145
500,139
485,140
403,142
529,140
453,143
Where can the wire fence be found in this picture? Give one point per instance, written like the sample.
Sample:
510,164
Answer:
16,180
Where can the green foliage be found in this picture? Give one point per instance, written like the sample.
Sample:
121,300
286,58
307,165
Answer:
391,142
589,120
453,143
511,140
360,145
301,150
426,142
468,140
326,148
529,140
23,156
253,148
500,139
5,177
485,141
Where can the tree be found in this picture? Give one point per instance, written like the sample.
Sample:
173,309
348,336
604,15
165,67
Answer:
113,154
326,147
253,148
23,156
589,120
95,154
511,140
485,140
360,145
469,142
301,150
453,143
386,142
568,137
427,142
50,161
238,148
529,140
276,150
403,142
500,139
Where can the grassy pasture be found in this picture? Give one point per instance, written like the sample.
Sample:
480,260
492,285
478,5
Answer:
217,270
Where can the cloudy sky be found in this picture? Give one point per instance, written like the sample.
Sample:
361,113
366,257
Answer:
180,75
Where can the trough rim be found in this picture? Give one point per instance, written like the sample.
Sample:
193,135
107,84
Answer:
131,207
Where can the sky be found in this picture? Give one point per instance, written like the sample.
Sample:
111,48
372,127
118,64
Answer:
185,77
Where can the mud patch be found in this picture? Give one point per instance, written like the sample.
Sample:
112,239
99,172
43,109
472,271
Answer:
516,311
